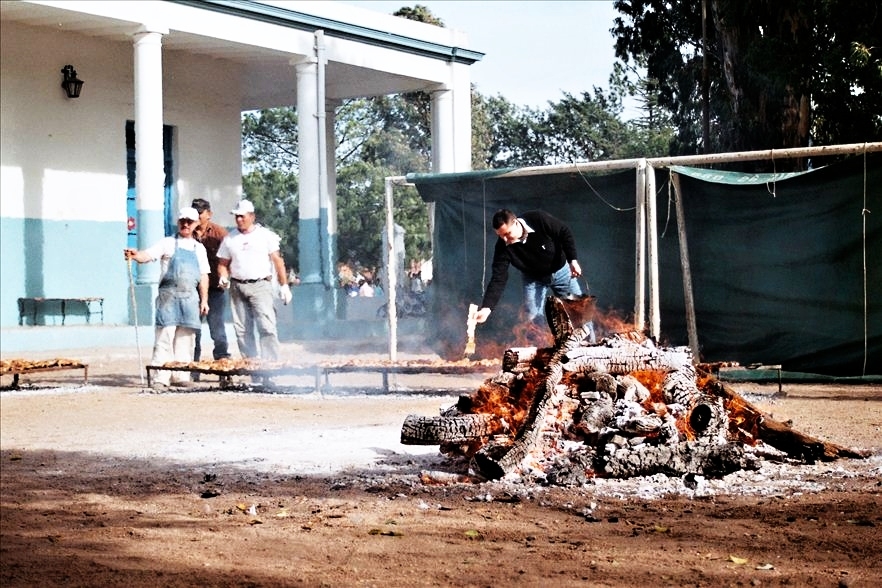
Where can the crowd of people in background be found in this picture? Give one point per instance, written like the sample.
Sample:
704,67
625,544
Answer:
357,280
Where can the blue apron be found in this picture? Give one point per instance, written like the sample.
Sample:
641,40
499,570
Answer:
177,304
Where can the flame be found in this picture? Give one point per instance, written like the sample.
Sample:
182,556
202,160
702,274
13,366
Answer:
509,404
743,420
653,380
609,322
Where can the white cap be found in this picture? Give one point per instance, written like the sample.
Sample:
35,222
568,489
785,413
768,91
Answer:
188,212
243,207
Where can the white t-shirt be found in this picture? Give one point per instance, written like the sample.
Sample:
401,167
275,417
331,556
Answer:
249,253
165,248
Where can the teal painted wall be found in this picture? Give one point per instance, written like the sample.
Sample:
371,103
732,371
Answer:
12,269
63,259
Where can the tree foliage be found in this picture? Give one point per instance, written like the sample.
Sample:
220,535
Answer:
274,194
778,74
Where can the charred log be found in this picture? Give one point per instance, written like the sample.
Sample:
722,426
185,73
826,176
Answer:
709,459
418,430
620,356
751,424
518,360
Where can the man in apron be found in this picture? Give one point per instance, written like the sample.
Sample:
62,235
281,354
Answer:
182,298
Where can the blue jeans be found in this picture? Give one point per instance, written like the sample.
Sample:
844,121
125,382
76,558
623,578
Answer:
217,302
561,283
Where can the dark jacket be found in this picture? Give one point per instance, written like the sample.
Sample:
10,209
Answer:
546,250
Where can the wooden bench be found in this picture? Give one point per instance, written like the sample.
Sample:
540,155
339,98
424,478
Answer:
31,307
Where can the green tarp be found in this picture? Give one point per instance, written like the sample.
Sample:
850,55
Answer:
785,268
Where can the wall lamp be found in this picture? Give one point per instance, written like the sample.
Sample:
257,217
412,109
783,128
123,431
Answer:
71,84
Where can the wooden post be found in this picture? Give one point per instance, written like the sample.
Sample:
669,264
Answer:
652,256
691,327
640,249
391,273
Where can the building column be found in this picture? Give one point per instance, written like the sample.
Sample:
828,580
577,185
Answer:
451,129
315,297
309,239
443,131
149,165
329,203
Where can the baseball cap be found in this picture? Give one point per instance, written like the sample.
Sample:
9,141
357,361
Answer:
243,207
188,212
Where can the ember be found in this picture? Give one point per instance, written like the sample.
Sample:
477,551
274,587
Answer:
619,407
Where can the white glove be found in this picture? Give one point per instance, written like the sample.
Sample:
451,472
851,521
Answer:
285,293
223,282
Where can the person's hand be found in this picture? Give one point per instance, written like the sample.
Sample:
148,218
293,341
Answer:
575,269
129,253
285,293
482,315
203,308
223,282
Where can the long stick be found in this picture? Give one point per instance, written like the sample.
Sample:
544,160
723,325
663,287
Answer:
135,314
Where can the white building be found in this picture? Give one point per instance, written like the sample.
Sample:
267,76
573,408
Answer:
157,124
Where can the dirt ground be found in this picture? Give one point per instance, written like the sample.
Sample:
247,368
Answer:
107,484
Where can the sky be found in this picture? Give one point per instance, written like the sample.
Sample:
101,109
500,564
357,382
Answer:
534,51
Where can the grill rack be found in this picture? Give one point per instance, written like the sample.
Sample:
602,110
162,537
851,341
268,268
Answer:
322,372
18,371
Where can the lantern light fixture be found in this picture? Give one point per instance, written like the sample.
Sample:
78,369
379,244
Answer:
72,84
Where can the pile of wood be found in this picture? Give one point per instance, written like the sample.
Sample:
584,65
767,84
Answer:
618,407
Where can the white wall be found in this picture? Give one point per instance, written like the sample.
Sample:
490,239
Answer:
63,161
58,151
67,152
201,101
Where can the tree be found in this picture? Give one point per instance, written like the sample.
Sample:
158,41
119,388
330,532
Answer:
274,194
586,128
780,74
269,140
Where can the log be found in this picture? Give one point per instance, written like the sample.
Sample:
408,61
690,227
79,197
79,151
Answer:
709,459
418,430
755,425
495,462
620,357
